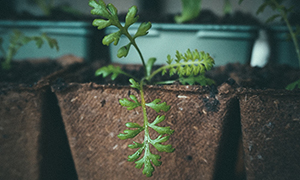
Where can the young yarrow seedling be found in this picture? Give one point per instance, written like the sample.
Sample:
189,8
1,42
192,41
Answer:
17,40
190,67
283,12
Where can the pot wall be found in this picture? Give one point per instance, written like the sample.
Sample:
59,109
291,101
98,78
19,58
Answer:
93,118
270,127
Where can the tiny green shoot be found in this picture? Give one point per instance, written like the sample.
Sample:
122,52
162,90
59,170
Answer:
190,68
17,40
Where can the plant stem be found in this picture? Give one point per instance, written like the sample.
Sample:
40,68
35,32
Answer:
293,35
146,122
132,40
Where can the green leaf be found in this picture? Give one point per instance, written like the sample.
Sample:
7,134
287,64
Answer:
201,79
135,145
131,17
113,37
110,69
132,125
51,42
190,10
149,65
191,63
146,161
293,85
262,8
112,9
162,130
101,23
130,133
136,155
143,29
158,119
99,8
134,84
164,148
123,51
129,104
158,107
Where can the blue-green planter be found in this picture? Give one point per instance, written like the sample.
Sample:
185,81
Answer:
78,38
225,43
282,47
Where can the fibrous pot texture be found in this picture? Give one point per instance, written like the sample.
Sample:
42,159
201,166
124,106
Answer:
203,121
271,138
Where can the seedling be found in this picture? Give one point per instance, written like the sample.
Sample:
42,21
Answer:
17,40
48,5
283,12
190,68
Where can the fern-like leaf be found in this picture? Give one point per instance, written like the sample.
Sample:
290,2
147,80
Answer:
130,104
107,70
128,133
158,107
160,130
190,63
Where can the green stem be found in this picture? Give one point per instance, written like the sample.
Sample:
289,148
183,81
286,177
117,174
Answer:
293,35
132,40
146,122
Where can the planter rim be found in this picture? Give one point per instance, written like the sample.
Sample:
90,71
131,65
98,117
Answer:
34,23
192,27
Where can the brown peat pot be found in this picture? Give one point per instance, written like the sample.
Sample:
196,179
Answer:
33,143
206,130
270,122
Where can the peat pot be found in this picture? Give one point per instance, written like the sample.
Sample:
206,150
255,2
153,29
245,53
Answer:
206,125
33,142
270,122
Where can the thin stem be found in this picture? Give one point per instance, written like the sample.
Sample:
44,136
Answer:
146,122
132,40
293,35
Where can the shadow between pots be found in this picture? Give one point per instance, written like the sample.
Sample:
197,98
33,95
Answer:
57,162
228,156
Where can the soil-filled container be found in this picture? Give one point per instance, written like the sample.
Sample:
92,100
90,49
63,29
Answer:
270,122
206,125
33,142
